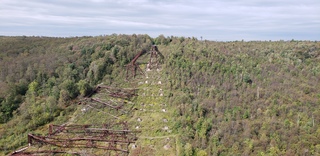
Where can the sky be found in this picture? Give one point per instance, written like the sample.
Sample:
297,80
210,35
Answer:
217,20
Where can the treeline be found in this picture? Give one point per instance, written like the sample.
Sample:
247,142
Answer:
60,67
40,77
245,98
230,98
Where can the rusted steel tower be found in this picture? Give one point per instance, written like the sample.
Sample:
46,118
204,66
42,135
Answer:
155,59
133,66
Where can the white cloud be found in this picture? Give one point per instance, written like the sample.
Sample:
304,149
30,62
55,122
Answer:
221,19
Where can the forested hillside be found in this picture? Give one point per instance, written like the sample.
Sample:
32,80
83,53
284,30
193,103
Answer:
224,98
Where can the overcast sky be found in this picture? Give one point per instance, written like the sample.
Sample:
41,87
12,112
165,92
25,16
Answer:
221,20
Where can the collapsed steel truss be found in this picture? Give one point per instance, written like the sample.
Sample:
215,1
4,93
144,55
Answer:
115,138
44,152
120,104
155,58
123,93
133,66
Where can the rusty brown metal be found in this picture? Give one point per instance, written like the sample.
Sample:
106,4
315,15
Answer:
93,130
124,93
53,131
105,103
97,143
111,137
155,58
133,66
44,152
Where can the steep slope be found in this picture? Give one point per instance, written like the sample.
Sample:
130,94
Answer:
207,98
153,116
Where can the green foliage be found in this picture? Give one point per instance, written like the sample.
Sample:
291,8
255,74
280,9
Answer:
228,98
97,70
70,88
8,105
12,100
83,87
202,153
33,88
242,86
188,149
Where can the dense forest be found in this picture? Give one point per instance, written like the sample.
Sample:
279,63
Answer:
226,98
